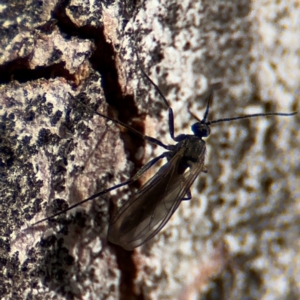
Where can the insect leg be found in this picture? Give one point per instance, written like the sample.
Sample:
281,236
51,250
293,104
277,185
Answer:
143,136
189,196
148,165
131,180
205,170
171,114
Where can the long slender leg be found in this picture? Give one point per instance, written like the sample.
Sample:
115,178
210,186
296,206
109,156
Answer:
171,114
143,136
131,180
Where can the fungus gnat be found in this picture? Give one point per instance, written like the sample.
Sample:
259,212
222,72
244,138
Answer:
150,208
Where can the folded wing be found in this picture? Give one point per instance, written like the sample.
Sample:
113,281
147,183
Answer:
152,206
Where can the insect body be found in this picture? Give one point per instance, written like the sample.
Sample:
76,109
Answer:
150,208
154,204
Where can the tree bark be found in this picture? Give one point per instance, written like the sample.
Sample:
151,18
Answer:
59,60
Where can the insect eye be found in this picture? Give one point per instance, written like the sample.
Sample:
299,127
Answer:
201,130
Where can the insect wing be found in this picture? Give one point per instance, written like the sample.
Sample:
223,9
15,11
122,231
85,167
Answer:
153,205
129,228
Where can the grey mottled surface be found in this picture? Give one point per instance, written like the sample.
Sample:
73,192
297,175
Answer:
239,235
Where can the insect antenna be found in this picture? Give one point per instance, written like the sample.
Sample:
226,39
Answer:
209,98
213,87
252,116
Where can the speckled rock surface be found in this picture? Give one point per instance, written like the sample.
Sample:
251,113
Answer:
239,235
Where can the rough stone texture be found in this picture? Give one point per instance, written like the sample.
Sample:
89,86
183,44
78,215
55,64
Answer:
239,235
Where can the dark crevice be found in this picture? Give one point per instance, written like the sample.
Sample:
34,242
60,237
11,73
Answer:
128,273
128,269
19,70
103,61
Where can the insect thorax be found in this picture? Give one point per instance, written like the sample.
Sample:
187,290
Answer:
192,150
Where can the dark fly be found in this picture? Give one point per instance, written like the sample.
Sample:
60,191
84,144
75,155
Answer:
151,207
